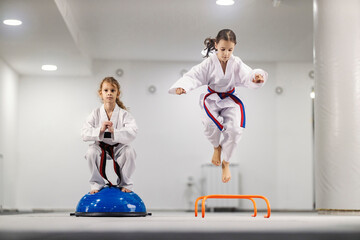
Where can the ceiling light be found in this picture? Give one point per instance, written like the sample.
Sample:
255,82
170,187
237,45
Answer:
276,3
12,22
49,67
225,2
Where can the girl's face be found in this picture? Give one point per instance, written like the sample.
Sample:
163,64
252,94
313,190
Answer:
109,93
224,50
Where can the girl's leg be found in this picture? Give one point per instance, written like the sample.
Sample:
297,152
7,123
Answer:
213,134
232,134
232,131
93,156
125,156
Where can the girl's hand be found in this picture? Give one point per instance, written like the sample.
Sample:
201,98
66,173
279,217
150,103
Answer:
105,125
111,129
258,78
108,123
180,91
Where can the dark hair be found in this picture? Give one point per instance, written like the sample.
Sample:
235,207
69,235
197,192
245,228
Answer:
225,34
116,84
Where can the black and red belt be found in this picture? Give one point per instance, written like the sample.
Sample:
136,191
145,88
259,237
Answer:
106,148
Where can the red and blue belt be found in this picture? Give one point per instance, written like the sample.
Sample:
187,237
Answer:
223,95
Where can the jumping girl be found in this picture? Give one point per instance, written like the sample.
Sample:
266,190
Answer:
224,112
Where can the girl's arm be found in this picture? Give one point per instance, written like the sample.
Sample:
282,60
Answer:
128,132
249,78
89,131
196,77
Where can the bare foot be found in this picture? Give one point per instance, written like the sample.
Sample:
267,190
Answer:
216,159
125,190
226,175
94,191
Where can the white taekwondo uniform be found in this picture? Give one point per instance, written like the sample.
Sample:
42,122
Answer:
222,113
125,130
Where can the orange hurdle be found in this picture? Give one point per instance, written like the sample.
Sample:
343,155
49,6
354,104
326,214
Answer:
250,197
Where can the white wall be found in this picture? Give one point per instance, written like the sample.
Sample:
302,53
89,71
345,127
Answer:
52,172
295,178
170,145
9,81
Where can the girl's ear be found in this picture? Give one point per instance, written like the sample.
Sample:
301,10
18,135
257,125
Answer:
100,96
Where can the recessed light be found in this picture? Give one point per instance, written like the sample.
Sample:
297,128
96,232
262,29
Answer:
49,67
225,2
312,94
12,22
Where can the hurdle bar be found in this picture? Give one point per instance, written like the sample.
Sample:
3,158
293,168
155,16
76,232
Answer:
250,197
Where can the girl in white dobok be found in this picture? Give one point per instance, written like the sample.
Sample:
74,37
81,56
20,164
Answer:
113,129
224,113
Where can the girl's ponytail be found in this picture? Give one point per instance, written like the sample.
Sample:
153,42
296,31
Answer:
209,46
120,103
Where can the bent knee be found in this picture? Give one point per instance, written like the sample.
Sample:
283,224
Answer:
234,131
128,151
209,125
92,152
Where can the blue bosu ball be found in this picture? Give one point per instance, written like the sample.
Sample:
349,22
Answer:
111,202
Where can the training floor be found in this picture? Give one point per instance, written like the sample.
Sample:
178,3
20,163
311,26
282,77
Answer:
181,225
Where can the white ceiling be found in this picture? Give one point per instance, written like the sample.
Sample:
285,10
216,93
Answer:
72,33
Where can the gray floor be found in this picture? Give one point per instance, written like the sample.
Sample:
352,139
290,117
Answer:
180,225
